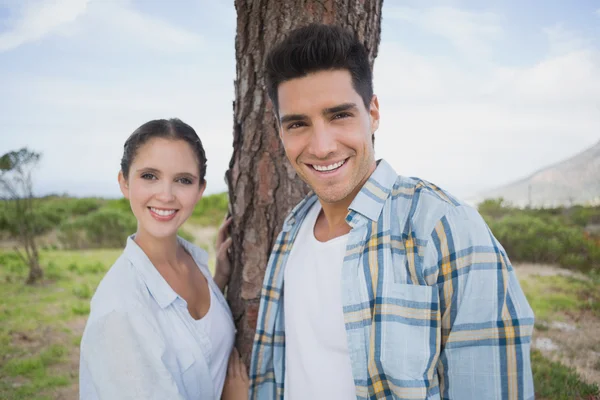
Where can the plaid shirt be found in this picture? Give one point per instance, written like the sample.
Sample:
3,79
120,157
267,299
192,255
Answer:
432,306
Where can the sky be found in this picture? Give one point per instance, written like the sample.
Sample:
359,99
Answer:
472,94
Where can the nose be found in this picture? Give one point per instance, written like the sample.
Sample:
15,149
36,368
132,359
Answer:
322,142
165,192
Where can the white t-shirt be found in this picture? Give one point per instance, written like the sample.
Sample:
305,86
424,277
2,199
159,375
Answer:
317,361
213,322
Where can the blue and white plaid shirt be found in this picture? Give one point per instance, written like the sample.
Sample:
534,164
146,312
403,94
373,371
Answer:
432,306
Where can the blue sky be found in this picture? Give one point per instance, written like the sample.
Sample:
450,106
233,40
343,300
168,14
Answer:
473,94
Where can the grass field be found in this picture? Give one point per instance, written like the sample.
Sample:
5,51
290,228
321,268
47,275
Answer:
41,326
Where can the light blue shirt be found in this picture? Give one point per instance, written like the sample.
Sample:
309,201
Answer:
432,306
140,341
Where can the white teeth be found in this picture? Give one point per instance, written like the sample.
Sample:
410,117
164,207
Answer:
329,167
162,213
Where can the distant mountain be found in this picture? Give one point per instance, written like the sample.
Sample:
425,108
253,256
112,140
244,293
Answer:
573,181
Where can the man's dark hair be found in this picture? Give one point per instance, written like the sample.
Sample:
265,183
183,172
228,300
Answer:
173,129
319,47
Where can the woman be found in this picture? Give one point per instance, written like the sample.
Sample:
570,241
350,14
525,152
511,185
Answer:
159,326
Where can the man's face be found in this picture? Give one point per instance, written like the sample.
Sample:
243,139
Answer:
327,133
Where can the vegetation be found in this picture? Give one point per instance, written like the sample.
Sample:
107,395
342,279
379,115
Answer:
41,325
552,297
563,236
557,382
210,210
20,218
87,223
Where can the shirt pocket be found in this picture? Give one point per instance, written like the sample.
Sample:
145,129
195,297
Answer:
410,332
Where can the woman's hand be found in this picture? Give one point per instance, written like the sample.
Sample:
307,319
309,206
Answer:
223,265
236,383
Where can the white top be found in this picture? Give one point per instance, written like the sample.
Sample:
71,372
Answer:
212,324
140,341
317,362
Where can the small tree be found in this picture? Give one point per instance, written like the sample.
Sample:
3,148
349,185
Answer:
16,189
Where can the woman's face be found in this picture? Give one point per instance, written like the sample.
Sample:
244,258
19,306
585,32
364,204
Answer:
163,186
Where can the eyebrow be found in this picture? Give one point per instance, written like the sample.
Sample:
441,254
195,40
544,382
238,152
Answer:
292,117
157,172
341,107
327,111
148,169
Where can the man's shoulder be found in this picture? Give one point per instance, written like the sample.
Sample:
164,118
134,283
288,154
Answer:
422,205
418,190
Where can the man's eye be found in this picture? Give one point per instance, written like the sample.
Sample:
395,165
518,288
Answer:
342,115
296,125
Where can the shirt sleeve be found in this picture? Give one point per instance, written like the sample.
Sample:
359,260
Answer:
486,320
122,353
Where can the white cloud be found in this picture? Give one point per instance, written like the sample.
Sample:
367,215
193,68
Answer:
562,40
39,19
470,32
467,129
111,24
119,21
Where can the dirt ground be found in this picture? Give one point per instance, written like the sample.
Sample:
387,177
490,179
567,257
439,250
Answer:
574,341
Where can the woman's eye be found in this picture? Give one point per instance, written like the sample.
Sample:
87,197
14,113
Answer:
185,181
148,176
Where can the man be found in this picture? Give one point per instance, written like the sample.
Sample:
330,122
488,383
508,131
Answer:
379,286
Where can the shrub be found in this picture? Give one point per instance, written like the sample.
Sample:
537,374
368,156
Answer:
211,210
104,228
547,239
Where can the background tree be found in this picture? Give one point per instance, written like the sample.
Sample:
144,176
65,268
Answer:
262,185
18,216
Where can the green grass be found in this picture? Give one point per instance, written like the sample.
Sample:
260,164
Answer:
31,316
33,374
550,296
42,312
557,382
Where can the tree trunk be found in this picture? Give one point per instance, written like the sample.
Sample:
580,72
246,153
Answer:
35,271
263,186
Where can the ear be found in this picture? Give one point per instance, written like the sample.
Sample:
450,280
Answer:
123,185
201,191
374,114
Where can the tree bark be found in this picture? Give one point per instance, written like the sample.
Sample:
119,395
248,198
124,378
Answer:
35,270
263,186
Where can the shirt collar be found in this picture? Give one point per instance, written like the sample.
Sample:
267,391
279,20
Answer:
368,202
156,284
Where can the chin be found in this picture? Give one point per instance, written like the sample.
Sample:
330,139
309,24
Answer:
329,196
160,233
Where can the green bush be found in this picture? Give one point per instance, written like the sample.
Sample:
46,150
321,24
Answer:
545,238
84,206
104,228
211,210
121,204
584,216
